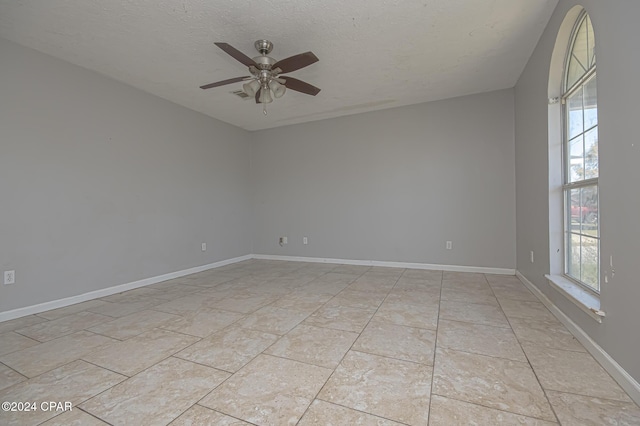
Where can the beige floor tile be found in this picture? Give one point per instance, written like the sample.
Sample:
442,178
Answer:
210,281
578,410
359,299
549,334
73,309
386,387
492,382
176,291
526,309
414,297
325,413
573,372
188,305
421,316
450,412
122,309
384,271
502,279
362,285
14,324
11,342
268,390
414,284
134,324
199,415
202,323
463,276
136,295
469,294
273,320
339,317
75,382
422,274
513,291
480,339
139,352
302,301
9,377
54,353
351,269
323,287
229,349
157,395
244,303
397,341
338,277
375,280
474,313
323,347
75,417
61,327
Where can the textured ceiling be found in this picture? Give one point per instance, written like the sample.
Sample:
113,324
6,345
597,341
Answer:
374,54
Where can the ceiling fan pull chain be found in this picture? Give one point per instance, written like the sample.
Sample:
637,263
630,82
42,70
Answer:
264,108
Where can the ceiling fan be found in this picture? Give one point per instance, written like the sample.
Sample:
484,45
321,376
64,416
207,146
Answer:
265,72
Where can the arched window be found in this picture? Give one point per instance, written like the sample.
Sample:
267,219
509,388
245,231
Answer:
580,158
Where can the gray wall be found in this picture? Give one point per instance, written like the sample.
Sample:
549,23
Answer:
102,184
618,56
392,185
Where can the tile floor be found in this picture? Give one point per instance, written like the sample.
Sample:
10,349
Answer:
287,343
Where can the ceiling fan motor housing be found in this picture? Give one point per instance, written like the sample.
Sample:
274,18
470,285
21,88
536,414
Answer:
263,46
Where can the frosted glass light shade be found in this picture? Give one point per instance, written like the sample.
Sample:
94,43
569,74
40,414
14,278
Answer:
277,88
251,87
265,96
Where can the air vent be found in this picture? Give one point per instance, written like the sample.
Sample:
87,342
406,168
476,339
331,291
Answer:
241,94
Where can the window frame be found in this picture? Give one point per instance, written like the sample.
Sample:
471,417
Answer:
567,185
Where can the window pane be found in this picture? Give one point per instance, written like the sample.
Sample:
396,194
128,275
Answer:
574,205
590,254
574,114
576,159
576,70
591,43
589,211
591,154
590,104
573,256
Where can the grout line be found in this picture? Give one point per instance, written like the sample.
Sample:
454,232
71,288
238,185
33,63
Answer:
435,351
341,359
544,392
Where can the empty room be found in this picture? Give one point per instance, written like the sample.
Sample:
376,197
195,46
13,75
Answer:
319,213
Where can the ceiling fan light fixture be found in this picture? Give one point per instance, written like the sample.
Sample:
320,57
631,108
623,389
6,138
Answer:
265,96
251,88
277,89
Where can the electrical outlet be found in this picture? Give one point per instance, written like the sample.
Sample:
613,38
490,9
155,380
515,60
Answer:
531,256
449,245
305,240
9,277
282,241
204,246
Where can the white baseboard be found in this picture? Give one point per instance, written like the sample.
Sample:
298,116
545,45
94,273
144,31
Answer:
61,303
624,379
450,268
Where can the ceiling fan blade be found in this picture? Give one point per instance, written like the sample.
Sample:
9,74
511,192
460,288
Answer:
296,62
237,55
300,86
223,82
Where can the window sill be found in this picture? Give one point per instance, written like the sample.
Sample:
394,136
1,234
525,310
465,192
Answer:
585,300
